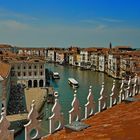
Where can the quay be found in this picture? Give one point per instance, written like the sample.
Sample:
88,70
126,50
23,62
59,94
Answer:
37,94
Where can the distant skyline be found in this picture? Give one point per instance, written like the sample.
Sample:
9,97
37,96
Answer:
62,23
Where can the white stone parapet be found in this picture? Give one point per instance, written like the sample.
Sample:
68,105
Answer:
114,95
33,126
5,133
74,113
90,105
57,116
102,100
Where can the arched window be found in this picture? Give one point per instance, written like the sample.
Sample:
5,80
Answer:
41,83
35,83
30,83
30,67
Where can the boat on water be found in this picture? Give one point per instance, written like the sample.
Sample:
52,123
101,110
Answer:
73,82
55,75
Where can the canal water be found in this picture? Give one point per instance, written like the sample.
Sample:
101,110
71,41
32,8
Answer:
85,79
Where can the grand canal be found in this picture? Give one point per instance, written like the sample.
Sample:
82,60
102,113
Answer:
65,91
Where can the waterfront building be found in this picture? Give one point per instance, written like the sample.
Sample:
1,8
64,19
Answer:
114,65
84,57
125,66
101,62
36,52
60,56
95,61
51,55
30,72
77,60
87,56
71,58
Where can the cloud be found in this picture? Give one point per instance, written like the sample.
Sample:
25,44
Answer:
89,21
6,14
101,27
111,20
96,25
13,25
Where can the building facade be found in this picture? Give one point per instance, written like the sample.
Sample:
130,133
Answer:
31,73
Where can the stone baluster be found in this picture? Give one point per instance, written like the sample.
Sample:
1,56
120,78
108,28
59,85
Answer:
137,85
56,117
113,95
127,91
134,84
90,105
102,100
5,133
75,111
122,92
32,128
131,86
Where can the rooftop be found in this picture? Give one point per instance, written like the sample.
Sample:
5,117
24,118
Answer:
4,69
5,46
120,122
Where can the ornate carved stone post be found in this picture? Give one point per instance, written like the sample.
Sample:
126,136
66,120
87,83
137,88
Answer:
90,105
32,128
102,100
5,133
122,92
127,92
56,117
113,95
75,111
136,85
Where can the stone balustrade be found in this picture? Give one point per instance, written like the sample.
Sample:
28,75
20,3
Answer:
90,105
32,128
102,101
57,116
5,133
74,113
129,89
114,95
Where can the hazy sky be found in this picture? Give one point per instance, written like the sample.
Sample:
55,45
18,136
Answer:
61,23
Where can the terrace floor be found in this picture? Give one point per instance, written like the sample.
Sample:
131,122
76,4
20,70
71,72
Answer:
121,122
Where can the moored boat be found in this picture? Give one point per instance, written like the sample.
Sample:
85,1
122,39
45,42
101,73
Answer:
73,82
55,75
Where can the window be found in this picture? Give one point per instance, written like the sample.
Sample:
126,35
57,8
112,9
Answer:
24,67
41,66
12,73
30,73
18,67
83,57
29,67
35,73
18,73
24,73
35,67
41,73
13,68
